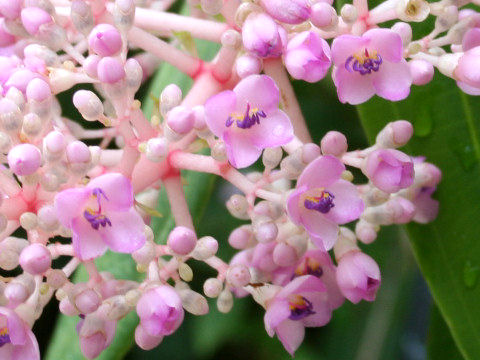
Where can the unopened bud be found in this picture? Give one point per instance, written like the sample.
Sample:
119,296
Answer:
212,287
225,301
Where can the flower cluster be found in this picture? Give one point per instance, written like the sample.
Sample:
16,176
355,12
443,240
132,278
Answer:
297,257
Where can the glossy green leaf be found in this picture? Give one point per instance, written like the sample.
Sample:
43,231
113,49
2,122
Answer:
440,344
447,126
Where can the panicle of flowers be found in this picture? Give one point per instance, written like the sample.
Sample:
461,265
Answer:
99,185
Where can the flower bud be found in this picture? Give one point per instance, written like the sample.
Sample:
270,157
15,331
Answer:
412,10
170,97
395,134
308,57
110,70
10,249
405,32
349,13
237,205
87,301
32,124
24,159
365,231
185,272
28,221
78,153
193,302
334,143
11,118
271,157
284,255
403,210
17,97
211,7
180,120
241,237
422,72
181,240
262,36
219,151
54,144
266,231
323,16
90,65
247,65
115,308
124,14
238,275
205,248
212,287
145,254
310,152
88,104
66,307
157,149
95,335
133,74
287,11
225,301
82,16
33,18
56,278
105,40
146,341
10,9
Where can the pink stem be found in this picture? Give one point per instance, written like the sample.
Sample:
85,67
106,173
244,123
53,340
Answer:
178,203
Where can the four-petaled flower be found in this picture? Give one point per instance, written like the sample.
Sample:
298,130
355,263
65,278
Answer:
17,341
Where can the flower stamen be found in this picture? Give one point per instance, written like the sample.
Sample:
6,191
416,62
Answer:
364,62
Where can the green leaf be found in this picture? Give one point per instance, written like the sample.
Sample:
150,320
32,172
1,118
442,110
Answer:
440,345
447,125
64,343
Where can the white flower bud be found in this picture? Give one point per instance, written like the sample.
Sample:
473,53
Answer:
170,97
272,157
212,287
185,272
219,151
88,104
28,221
157,149
124,14
193,302
225,301
349,13
205,248
237,205
82,17
412,10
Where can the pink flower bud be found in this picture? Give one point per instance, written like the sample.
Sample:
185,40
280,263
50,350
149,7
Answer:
238,275
266,232
471,39
146,341
24,159
157,149
38,90
78,152
365,232
395,134
308,57
35,259
66,307
90,65
182,240
87,301
88,104
82,16
358,276
403,210
199,115
55,142
6,39
110,70
240,237
10,9
248,65
310,152
47,218
180,120
20,79
93,345
284,255
404,30
16,293
323,15
288,11
422,72
262,36
33,18
105,40
334,143
468,69
134,74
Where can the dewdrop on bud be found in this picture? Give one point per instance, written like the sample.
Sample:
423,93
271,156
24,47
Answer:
324,16
205,248
170,97
211,7
157,149
133,74
180,122
349,13
185,272
182,240
11,118
35,259
212,287
334,143
225,301
395,134
238,275
272,157
81,16
32,124
192,302
241,237
88,104
124,14
28,221
265,231
24,159
219,151
237,205
404,30
247,65
412,10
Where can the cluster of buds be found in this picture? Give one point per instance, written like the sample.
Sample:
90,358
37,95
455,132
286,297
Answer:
296,257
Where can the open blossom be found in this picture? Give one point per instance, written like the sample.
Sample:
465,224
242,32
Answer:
101,215
390,170
370,64
322,200
302,303
248,120
17,341
358,276
262,36
160,311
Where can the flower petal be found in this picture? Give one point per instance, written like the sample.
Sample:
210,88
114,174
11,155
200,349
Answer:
240,151
126,233
348,204
217,110
345,46
118,190
291,334
274,130
323,232
352,87
393,80
87,242
321,172
277,312
260,91
69,204
293,206
387,43
322,309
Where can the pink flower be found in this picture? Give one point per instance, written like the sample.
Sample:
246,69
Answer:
17,341
322,200
95,334
389,170
302,303
101,215
467,71
248,120
319,264
288,11
358,276
426,208
262,36
160,311
370,64
308,57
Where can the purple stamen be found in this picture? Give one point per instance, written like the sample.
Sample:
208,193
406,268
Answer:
372,283
322,203
248,120
4,337
300,308
96,218
369,64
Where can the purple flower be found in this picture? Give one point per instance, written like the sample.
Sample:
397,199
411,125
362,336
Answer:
262,36
308,57
101,215
358,276
302,303
17,341
389,170
248,120
160,311
322,200
370,64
